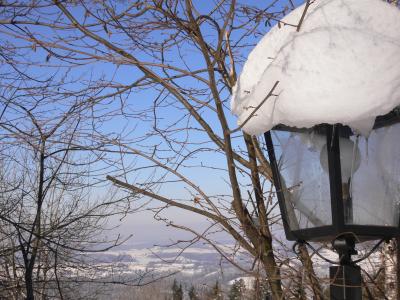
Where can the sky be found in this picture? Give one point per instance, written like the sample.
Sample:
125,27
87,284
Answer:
142,225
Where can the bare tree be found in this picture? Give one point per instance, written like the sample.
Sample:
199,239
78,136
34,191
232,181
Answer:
50,214
186,54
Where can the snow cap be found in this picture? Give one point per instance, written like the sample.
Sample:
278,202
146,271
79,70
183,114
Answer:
343,66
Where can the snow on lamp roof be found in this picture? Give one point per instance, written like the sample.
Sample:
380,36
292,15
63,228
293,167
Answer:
343,66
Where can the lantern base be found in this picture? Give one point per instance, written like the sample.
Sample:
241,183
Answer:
345,282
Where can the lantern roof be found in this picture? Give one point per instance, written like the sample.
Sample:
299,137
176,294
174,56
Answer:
342,66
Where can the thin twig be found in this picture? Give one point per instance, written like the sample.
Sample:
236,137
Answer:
271,92
303,15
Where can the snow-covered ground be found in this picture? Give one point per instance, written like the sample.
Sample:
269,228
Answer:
193,263
202,263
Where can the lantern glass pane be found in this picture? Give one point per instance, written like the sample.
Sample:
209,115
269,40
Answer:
305,184
375,185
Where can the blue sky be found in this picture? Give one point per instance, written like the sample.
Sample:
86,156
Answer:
213,181
144,220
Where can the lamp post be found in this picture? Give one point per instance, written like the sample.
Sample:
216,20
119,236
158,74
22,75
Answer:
335,68
335,185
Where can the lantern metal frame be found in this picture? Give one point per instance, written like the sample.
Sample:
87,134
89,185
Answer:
338,227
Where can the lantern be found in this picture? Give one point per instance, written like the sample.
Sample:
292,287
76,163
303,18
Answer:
330,181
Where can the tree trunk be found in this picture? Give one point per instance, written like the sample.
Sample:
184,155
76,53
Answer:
29,284
390,270
308,266
398,268
274,274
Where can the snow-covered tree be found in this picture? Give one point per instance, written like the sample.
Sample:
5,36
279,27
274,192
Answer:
193,293
177,291
237,290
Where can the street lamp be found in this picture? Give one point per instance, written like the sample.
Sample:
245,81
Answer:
326,81
335,185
